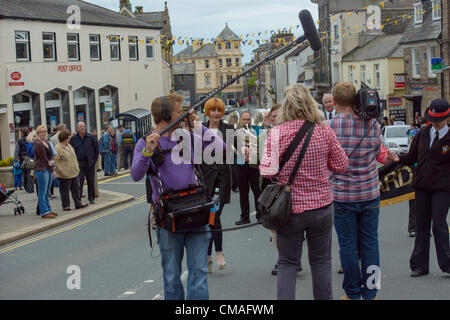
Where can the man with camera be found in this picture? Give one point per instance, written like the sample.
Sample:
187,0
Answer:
356,195
165,172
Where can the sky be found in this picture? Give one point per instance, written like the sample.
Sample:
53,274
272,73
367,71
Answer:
206,19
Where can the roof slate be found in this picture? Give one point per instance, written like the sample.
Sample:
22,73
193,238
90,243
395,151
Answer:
153,18
382,46
56,11
227,34
425,31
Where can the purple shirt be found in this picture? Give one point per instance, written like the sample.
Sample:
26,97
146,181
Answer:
174,176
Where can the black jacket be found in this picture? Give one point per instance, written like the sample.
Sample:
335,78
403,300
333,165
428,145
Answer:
91,147
219,175
21,149
433,166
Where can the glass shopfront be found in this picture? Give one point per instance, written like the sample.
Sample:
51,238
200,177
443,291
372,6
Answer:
84,107
109,104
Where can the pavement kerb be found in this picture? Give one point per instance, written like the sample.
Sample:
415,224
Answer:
60,220
121,174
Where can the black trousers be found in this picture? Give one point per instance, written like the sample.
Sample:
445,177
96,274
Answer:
412,216
431,206
72,186
216,237
247,177
88,173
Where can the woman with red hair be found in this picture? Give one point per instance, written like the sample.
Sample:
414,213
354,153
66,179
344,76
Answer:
217,175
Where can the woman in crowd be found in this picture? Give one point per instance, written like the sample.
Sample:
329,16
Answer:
430,150
43,171
67,170
19,155
217,175
312,198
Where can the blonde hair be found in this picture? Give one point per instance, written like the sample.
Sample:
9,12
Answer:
298,104
41,127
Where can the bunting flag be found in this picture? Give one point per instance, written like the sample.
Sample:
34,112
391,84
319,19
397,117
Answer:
255,38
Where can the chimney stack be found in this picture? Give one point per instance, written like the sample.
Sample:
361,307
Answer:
126,4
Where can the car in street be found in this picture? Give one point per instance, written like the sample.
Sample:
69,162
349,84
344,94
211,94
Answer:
395,138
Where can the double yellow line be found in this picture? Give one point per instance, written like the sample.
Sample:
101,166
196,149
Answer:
138,201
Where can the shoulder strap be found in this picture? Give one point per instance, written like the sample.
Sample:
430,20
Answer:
294,144
302,154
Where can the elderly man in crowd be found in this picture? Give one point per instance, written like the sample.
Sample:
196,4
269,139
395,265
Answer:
86,149
328,104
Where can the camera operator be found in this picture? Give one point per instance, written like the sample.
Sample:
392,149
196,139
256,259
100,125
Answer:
175,177
356,194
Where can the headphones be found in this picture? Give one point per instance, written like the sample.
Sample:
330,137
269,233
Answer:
166,115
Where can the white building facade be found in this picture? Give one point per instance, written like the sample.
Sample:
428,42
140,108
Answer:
54,74
289,66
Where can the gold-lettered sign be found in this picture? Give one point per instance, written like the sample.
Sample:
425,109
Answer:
395,181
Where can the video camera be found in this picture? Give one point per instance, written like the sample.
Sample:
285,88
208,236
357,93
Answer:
367,103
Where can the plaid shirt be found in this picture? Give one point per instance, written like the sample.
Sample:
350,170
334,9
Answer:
311,187
360,181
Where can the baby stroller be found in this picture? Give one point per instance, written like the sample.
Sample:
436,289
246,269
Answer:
8,196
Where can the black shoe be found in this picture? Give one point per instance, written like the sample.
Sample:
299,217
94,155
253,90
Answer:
275,270
92,202
412,234
82,206
418,273
242,221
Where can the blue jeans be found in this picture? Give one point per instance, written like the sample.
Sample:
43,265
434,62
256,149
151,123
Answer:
18,181
108,163
172,249
44,183
114,162
353,220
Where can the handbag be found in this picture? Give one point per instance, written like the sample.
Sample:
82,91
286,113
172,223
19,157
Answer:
27,163
274,203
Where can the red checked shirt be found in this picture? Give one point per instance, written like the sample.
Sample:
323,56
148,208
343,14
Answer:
311,187
360,181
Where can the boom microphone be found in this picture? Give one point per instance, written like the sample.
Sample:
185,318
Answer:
310,30
310,34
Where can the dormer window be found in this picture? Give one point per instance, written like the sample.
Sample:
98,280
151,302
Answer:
418,12
436,9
